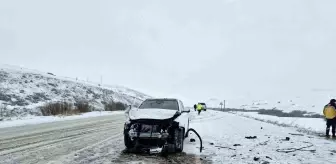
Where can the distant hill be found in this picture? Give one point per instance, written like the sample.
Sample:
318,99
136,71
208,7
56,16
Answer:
22,91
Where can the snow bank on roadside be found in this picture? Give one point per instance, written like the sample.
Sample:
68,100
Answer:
204,125
316,125
30,120
224,139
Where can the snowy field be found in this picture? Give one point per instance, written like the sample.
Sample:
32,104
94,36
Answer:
310,101
315,125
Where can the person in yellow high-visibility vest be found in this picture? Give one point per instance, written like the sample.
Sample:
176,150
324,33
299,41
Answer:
199,108
329,113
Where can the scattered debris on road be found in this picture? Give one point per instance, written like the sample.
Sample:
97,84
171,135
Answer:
264,143
224,147
296,134
289,150
256,158
251,137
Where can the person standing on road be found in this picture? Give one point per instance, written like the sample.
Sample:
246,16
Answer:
199,108
329,113
195,107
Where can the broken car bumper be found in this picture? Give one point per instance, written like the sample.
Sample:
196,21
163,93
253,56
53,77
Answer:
133,134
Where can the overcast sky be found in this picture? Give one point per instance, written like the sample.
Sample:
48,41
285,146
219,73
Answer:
191,49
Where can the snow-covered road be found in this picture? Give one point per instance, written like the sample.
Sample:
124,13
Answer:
56,141
99,140
224,141
96,140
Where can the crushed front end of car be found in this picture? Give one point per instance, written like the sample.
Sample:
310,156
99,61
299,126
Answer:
154,133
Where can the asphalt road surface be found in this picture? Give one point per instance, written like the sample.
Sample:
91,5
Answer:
96,140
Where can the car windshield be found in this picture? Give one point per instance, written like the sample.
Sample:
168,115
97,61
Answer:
161,104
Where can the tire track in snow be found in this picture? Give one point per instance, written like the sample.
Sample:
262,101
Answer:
22,142
156,158
39,143
45,129
86,153
60,142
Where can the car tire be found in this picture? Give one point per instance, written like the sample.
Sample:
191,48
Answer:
127,140
179,150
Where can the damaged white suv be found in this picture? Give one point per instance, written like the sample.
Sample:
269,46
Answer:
157,123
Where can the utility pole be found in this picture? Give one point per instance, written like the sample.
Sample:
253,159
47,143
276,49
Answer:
101,80
224,104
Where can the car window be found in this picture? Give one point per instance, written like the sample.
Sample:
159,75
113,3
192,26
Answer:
161,104
182,106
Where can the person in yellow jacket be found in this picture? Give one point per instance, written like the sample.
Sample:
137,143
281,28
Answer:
199,108
329,113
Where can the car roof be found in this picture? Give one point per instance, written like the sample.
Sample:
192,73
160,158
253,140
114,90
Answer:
169,99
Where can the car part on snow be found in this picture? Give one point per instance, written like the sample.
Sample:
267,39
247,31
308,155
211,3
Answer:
251,137
263,143
296,134
286,139
193,130
225,147
256,158
289,150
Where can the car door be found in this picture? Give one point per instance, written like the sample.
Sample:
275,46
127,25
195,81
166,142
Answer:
184,118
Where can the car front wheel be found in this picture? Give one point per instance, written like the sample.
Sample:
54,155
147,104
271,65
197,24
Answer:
180,140
127,140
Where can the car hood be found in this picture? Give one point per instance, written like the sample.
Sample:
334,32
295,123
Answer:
152,113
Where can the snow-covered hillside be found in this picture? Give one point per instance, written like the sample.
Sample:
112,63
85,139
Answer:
23,90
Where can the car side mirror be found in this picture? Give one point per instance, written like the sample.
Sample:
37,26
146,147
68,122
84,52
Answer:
186,110
128,109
